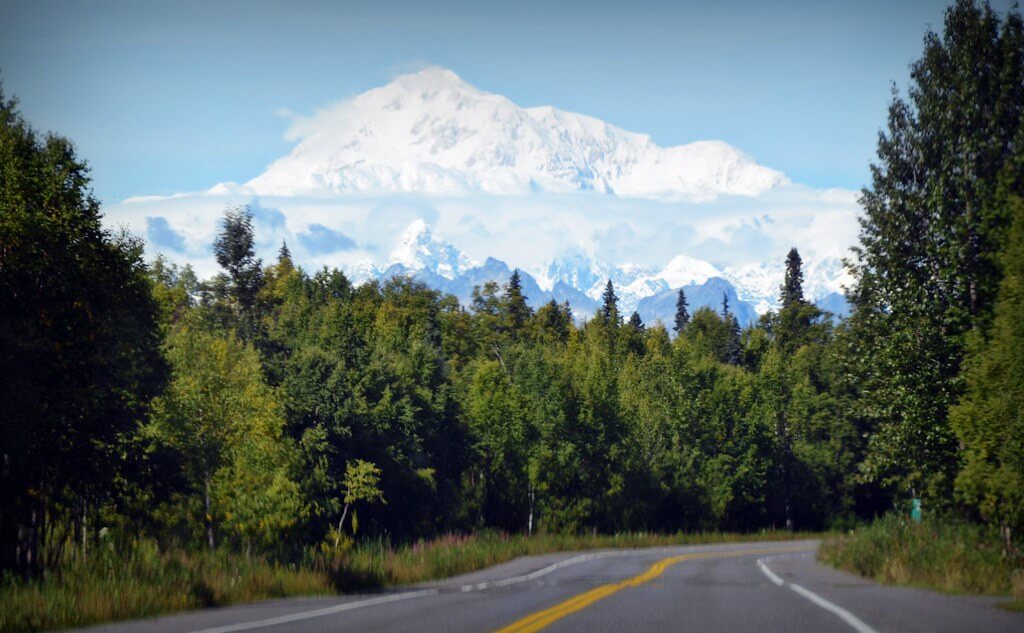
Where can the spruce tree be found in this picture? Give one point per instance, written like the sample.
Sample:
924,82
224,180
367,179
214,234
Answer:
734,343
634,339
792,289
796,315
284,254
517,312
682,313
554,320
610,306
635,322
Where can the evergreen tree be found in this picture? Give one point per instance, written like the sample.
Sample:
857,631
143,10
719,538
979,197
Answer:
682,313
795,317
284,254
517,312
792,289
610,305
635,330
636,323
554,321
734,349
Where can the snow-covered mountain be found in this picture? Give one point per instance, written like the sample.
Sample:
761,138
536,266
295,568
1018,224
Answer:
580,279
430,132
418,250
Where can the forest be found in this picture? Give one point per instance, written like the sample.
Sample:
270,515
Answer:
271,410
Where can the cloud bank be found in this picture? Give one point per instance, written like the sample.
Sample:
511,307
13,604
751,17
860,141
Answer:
524,231
523,185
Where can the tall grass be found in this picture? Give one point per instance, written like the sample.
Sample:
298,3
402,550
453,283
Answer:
941,554
140,580
380,564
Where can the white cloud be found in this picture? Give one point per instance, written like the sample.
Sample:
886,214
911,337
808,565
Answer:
428,130
523,231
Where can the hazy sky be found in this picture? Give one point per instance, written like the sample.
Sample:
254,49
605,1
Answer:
170,97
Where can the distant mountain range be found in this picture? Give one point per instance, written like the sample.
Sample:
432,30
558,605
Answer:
579,280
431,134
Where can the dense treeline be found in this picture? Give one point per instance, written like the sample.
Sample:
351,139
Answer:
271,408
492,416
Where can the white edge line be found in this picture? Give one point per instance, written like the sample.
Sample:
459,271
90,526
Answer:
771,575
855,623
305,615
348,606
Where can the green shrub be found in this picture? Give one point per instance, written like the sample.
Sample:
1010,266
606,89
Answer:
948,555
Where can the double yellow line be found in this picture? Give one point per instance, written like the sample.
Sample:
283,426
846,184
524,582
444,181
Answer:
541,619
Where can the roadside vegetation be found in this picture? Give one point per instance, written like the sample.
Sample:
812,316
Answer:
948,555
138,579
271,431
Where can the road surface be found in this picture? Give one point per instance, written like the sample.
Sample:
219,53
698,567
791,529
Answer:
754,586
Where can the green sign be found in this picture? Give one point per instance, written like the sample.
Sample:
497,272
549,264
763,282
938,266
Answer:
915,510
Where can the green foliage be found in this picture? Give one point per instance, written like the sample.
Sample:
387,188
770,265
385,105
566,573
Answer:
138,579
792,289
989,421
682,313
941,554
79,343
925,267
224,425
296,399
362,481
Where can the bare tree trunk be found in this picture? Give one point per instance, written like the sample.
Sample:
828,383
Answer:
529,520
209,517
32,545
85,528
344,513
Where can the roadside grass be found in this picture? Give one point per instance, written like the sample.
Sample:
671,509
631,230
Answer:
379,564
140,580
143,582
954,557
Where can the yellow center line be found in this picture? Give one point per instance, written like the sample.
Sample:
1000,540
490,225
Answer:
540,619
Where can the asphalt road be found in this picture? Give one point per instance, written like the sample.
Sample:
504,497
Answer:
758,587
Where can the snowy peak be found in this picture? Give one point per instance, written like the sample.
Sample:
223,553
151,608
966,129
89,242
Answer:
578,274
418,250
759,283
577,270
433,133
683,270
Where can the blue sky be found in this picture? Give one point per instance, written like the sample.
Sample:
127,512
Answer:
170,97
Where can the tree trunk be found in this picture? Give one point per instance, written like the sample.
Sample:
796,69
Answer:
209,517
85,528
344,513
529,520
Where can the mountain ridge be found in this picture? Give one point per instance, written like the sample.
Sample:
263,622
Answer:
431,133
580,280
